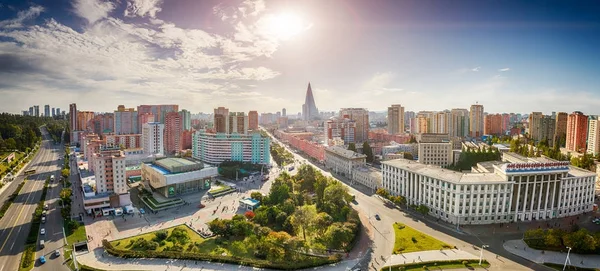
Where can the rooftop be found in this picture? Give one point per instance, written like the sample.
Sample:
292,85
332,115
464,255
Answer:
345,153
444,174
176,165
250,201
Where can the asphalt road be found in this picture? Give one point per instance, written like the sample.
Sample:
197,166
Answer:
15,225
383,234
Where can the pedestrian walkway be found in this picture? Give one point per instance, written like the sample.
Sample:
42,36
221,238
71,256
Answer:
519,248
430,256
99,259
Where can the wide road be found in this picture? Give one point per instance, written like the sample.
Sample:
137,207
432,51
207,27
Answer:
383,233
15,225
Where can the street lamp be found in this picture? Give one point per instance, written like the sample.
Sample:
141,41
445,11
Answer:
567,259
481,253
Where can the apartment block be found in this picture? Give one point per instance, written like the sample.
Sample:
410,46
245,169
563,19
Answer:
577,125
153,138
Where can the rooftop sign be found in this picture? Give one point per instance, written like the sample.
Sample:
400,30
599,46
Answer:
536,166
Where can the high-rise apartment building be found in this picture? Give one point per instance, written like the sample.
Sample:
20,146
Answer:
145,118
53,112
46,110
238,123
492,124
361,117
408,115
36,109
253,120
221,120
395,119
126,121
309,108
340,128
577,125
31,111
460,122
560,129
593,142
542,127
84,120
103,123
476,121
153,138
109,170
73,117
158,111
186,119
443,122
173,132
283,112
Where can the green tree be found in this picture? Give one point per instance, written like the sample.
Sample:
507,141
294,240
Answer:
423,209
352,147
303,218
338,235
368,152
412,139
219,227
408,156
322,222
257,196
382,192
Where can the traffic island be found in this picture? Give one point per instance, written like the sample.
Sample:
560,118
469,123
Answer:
439,265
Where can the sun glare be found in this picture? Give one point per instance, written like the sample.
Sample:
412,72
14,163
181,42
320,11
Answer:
286,25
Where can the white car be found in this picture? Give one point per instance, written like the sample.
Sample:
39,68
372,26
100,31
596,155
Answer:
43,231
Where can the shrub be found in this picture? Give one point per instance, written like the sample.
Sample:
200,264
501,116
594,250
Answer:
414,240
28,256
179,235
249,215
161,235
162,243
465,262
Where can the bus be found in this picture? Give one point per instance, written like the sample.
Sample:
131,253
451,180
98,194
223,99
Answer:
29,172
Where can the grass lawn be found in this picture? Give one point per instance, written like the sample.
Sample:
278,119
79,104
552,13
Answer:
77,236
410,240
569,267
442,265
196,243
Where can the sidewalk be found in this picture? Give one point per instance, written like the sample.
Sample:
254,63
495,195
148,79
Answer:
519,248
430,256
96,259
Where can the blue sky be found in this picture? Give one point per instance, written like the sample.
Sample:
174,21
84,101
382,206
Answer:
510,56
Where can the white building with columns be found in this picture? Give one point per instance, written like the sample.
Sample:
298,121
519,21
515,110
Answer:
516,189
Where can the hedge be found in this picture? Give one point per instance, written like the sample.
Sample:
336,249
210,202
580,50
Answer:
219,258
420,265
27,259
11,199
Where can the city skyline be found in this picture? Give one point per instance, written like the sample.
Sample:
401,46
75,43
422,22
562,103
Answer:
259,55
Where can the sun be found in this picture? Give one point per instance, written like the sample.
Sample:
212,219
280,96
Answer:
285,25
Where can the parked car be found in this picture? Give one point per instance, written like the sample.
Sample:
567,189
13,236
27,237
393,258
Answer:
57,253
46,207
377,217
42,231
42,260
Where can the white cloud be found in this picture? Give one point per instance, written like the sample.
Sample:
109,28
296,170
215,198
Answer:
93,10
476,69
379,81
22,16
253,7
142,8
504,70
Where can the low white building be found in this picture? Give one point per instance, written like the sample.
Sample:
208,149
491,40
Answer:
367,176
411,148
518,189
342,161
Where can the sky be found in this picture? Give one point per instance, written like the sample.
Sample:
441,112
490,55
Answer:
509,56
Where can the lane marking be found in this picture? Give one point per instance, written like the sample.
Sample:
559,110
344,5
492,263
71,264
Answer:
18,217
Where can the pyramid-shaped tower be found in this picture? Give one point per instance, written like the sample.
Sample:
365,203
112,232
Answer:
309,108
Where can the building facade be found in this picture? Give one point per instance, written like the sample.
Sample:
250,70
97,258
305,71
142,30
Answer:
500,193
577,125
253,120
186,119
215,148
309,108
126,121
476,121
173,133
367,176
395,119
238,123
436,153
593,146
176,176
343,161
109,170
221,120
340,128
560,129
84,120
153,138
361,117
492,124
